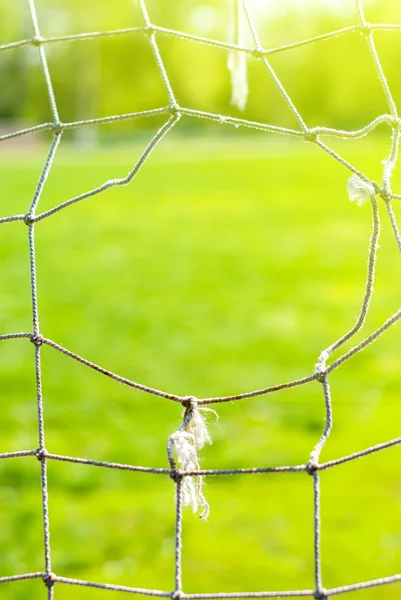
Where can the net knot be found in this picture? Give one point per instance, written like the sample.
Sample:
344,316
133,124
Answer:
312,466
176,595
49,580
41,453
321,375
29,219
37,340
366,29
176,475
320,595
310,136
57,128
395,122
385,195
174,110
189,403
37,40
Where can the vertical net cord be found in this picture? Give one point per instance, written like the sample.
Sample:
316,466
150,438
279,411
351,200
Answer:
179,482
313,467
43,60
237,61
158,58
270,68
319,592
328,422
390,162
177,477
373,247
326,388
178,541
36,339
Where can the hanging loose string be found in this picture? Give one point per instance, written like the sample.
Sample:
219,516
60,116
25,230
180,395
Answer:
237,60
185,442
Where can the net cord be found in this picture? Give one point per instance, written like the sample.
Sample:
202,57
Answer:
174,113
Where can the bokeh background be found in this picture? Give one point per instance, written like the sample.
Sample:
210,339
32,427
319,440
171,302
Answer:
228,264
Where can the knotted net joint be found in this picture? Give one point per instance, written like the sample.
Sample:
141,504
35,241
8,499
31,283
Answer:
37,340
176,595
190,405
49,580
385,195
41,453
174,110
312,466
176,475
320,595
37,40
321,375
366,29
310,136
29,219
57,128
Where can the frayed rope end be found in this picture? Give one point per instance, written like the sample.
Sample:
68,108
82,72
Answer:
237,64
359,190
190,437
237,59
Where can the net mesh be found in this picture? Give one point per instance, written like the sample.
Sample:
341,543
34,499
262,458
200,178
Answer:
360,187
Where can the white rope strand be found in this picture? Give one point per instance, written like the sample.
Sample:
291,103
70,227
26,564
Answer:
237,61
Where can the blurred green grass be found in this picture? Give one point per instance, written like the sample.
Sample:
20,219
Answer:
226,266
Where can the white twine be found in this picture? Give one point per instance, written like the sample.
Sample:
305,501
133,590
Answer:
186,441
237,61
358,190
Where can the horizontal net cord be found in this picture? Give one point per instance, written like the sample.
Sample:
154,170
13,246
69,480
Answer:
152,28
160,111
12,219
86,122
363,585
111,587
324,466
15,336
392,122
207,596
150,390
217,399
18,454
278,594
309,135
108,465
124,380
24,576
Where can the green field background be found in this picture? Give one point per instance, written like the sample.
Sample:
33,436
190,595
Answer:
227,265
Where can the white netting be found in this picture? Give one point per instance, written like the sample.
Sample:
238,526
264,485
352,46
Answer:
192,435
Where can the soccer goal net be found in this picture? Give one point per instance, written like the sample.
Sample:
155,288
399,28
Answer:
185,445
